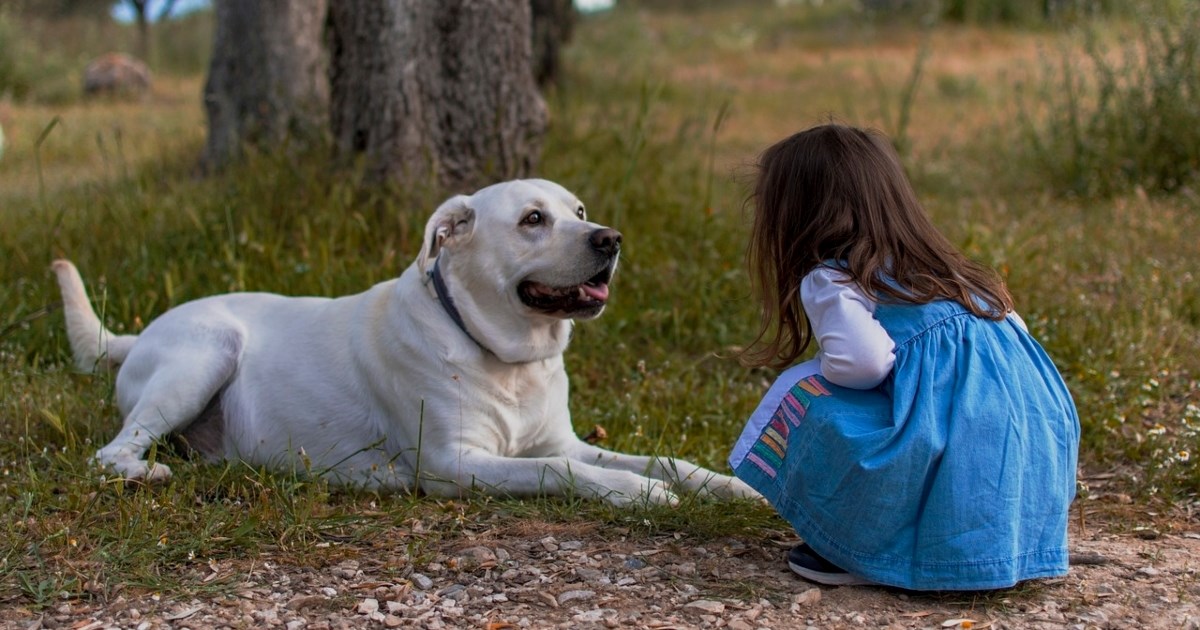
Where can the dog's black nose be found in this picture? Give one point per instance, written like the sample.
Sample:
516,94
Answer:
606,240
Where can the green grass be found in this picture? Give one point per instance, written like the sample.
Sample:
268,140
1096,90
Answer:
1126,116
53,74
660,115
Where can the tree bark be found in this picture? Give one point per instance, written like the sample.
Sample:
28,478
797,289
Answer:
143,27
267,79
553,25
435,92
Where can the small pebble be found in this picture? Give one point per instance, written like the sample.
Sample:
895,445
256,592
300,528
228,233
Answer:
706,606
421,581
570,596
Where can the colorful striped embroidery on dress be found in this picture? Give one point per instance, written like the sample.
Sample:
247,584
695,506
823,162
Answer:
771,448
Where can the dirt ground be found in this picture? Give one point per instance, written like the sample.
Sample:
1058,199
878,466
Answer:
540,575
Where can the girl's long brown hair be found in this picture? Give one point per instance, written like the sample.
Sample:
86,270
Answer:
839,193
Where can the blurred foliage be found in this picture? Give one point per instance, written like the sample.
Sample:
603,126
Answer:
29,70
1125,116
16,79
1028,12
1011,12
59,8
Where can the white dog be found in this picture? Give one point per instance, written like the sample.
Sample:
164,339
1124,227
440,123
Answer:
448,378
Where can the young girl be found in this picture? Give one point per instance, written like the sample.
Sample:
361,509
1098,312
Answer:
931,444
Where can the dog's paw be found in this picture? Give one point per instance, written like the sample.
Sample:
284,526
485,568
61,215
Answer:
153,473
645,491
738,489
659,493
724,487
135,469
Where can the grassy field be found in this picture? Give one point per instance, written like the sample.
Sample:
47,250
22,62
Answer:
656,127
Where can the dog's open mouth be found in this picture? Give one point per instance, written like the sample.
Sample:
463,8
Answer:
581,300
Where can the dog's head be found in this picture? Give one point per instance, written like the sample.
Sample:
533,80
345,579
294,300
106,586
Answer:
521,255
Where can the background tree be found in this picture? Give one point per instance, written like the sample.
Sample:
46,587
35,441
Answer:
267,76
436,91
553,24
143,26
141,14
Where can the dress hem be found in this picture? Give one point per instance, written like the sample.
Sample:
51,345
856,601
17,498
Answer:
965,575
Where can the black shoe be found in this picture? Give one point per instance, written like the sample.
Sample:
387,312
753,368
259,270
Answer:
809,565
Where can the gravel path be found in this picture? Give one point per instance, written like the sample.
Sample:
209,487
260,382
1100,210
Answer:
540,575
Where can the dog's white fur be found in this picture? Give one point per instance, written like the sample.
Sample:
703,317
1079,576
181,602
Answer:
382,389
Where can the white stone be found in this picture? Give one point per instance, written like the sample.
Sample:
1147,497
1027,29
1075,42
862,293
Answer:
807,598
570,596
421,581
706,606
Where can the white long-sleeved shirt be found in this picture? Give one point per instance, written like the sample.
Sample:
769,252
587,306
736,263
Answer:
854,349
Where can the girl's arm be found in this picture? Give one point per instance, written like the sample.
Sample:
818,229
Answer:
855,350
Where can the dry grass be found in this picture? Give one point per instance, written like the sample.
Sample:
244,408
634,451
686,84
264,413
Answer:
97,142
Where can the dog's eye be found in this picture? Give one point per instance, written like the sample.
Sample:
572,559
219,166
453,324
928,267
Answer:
533,218
580,213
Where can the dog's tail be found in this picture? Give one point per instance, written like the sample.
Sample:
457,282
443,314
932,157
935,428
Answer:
92,344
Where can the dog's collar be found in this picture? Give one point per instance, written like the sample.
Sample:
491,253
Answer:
447,302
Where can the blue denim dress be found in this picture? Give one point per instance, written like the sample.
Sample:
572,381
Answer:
956,473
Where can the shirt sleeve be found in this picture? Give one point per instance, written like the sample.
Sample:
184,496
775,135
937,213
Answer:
1017,318
855,350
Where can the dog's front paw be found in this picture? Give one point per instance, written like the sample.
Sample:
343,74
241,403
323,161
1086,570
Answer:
659,493
738,489
152,473
644,491
135,469
725,487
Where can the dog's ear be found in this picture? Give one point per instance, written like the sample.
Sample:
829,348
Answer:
453,222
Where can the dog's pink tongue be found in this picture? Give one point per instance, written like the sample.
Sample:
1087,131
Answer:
596,291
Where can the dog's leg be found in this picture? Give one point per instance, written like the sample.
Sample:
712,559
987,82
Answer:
179,384
679,473
532,476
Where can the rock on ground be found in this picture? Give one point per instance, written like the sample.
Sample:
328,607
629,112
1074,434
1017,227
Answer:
116,73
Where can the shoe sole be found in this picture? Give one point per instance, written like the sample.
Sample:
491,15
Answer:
829,579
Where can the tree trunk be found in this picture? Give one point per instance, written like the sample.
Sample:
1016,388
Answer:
439,92
553,24
164,11
267,80
143,28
